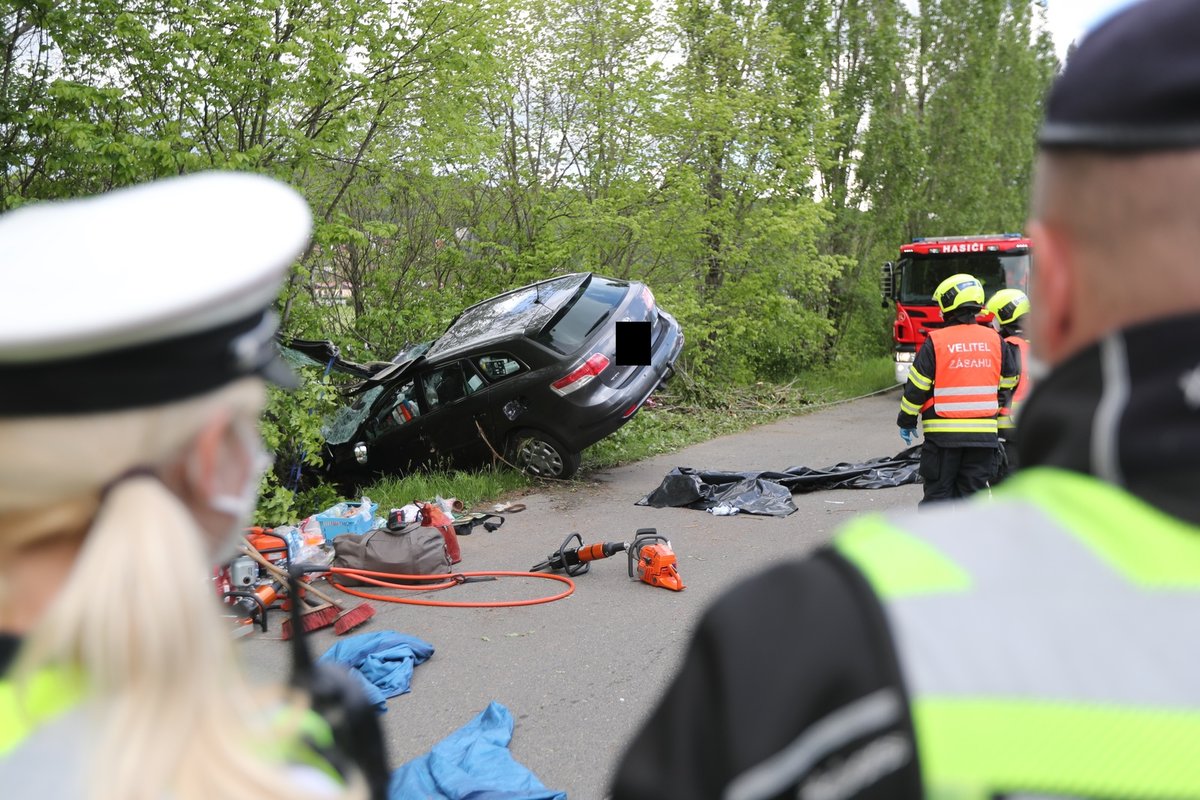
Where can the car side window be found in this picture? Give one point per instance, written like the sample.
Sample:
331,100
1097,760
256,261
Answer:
449,383
497,366
403,407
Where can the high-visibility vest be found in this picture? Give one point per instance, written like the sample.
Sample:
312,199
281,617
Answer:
1008,415
1048,640
47,694
50,695
966,380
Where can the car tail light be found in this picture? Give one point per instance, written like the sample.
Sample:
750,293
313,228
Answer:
648,298
629,411
582,375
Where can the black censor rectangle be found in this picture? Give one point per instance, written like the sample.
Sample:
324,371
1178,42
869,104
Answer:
633,344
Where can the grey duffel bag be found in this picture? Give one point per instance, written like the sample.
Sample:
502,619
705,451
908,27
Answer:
414,550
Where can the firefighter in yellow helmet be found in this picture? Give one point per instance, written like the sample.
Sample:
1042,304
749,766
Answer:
1009,307
961,378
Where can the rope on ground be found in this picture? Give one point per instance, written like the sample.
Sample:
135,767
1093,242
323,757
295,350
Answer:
845,400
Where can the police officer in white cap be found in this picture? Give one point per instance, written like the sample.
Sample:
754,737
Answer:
1044,643
134,345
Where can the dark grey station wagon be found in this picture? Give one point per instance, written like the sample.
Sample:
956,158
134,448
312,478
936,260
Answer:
531,374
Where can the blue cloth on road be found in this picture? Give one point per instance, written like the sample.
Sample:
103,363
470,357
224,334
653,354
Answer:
472,763
384,661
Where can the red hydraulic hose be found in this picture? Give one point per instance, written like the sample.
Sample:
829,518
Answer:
447,580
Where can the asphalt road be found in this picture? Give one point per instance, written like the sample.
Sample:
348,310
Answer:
580,674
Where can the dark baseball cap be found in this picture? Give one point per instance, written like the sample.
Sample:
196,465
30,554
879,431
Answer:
1132,85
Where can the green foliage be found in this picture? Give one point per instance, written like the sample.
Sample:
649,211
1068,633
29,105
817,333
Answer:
291,431
752,162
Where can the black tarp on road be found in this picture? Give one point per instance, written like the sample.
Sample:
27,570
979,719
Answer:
770,493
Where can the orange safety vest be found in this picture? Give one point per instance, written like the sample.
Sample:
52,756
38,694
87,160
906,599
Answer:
967,372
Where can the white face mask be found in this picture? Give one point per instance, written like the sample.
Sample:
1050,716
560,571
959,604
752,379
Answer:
240,507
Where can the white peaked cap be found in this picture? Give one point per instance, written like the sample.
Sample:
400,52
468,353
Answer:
174,276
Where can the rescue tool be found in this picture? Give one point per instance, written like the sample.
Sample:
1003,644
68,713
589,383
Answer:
651,559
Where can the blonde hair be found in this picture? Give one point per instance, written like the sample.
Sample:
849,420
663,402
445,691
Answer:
174,715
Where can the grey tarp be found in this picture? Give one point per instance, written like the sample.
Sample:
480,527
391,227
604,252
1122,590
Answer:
770,493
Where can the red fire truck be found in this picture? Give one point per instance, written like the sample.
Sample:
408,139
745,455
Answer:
999,261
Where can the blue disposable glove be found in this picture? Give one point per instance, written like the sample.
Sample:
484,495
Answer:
908,435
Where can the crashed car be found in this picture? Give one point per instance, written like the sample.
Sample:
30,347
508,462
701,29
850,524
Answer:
531,375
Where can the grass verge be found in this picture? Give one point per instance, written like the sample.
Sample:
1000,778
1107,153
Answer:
473,488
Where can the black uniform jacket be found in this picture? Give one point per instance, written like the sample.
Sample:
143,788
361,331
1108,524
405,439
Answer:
777,661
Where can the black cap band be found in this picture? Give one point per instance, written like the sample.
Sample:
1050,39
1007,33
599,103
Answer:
1119,138
1133,84
145,375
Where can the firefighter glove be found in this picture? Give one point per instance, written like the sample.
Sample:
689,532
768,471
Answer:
908,435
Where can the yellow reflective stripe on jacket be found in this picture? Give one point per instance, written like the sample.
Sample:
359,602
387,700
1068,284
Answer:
308,727
1039,636
937,425
909,408
918,380
46,694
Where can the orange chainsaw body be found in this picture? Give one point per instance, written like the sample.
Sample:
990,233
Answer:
657,565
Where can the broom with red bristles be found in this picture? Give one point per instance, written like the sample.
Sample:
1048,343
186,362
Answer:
330,613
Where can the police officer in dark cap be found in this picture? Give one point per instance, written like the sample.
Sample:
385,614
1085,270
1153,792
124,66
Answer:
1042,643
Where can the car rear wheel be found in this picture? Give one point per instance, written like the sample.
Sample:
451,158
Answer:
542,455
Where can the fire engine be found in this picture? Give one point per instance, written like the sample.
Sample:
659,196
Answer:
998,260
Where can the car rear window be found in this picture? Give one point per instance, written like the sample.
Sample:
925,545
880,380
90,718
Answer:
580,318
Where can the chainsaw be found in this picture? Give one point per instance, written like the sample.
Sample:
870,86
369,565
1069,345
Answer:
650,556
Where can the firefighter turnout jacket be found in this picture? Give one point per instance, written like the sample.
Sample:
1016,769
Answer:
1041,643
959,381
1019,345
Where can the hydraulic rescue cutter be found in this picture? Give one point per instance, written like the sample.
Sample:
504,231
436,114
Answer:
651,559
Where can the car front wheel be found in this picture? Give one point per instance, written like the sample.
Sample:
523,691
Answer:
542,455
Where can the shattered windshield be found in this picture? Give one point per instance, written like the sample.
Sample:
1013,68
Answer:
297,359
346,421
510,312
409,353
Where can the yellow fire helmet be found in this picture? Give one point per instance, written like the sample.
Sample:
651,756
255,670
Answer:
1009,305
958,291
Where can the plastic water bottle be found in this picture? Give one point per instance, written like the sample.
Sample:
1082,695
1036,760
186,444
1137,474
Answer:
295,542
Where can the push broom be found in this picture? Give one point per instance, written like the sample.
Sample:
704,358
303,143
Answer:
322,617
